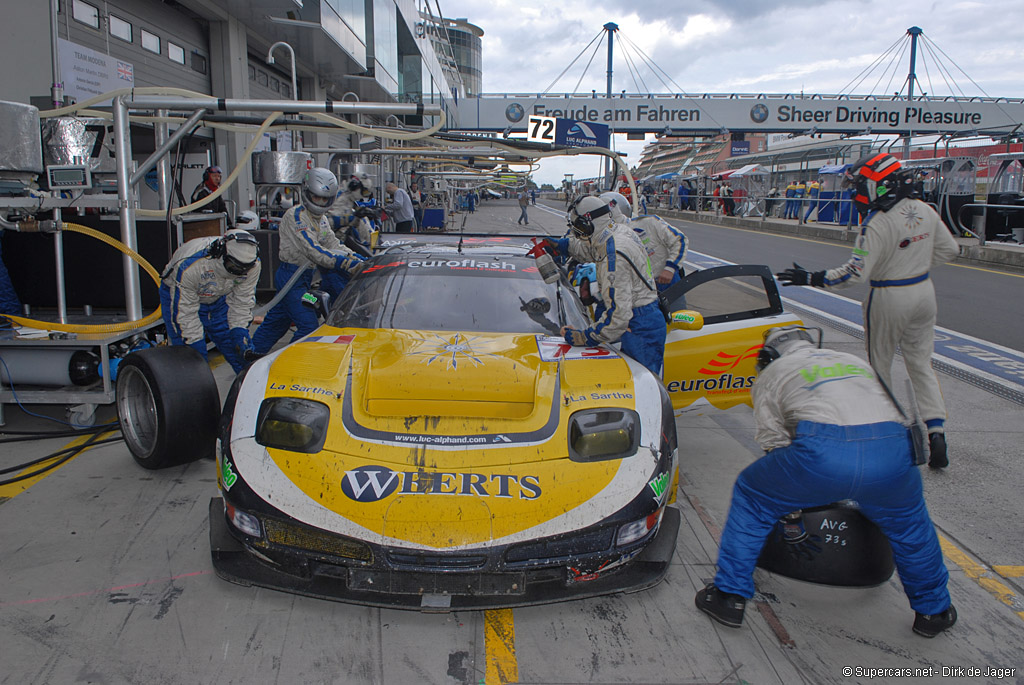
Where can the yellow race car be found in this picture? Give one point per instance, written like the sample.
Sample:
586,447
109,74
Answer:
435,444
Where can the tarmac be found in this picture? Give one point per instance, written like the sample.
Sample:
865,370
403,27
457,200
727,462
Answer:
992,254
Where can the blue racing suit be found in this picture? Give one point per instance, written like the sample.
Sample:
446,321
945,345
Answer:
631,315
198,297
305,237
832,434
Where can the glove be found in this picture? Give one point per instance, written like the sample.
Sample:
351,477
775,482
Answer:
200,347
242,341
575,337
347,262
249,356
801,276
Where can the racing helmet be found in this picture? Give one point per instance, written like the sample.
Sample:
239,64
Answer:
782,340
248,220
361,182
319,190
877,181
239,250
582,213
620,206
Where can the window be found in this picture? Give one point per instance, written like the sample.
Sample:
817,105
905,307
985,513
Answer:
286,91
262,78
150,41
198,63
175,52
85,13
252,73
275,85
119,28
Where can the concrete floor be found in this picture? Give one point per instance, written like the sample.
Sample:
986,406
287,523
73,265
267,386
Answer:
106,578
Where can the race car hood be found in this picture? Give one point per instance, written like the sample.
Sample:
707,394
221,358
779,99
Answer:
443,440
402,389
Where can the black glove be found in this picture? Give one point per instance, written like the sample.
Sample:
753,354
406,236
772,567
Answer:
801,276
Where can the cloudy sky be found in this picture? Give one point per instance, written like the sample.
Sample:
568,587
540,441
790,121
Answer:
744,46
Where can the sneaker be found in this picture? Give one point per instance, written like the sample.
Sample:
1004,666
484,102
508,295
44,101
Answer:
937,450
724,607
930,626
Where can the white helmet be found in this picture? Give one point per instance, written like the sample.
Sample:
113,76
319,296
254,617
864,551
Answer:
621,209
248,220
319,190
582,213
782,340
361,181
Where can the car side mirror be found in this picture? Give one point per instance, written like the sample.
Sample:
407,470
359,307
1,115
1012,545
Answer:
686,320
318,301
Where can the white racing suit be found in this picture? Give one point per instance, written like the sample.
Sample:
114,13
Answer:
832,434
343,219
304,238
631,314
198,297
665,244
894,253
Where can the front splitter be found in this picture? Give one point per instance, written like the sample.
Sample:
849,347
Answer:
234,563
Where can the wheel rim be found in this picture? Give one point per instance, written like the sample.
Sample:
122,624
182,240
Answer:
136,408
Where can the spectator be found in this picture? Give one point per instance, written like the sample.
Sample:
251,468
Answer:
210,184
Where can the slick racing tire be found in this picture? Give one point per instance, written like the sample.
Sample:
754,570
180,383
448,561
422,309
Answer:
168,405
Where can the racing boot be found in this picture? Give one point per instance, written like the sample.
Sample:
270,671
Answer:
724,607
930,626
937,450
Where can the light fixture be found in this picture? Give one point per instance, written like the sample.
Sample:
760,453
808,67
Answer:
293,22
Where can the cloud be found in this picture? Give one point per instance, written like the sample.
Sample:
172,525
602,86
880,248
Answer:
744,46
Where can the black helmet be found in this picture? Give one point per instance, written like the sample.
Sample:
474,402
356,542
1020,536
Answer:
878,181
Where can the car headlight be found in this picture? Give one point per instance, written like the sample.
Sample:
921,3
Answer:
636,530
599,434
294,424
247,523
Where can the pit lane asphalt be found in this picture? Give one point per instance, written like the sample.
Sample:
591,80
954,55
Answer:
106,577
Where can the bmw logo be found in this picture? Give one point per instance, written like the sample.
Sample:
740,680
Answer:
759,113
515,112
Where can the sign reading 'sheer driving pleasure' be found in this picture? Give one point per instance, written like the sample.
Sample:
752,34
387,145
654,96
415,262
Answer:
738,113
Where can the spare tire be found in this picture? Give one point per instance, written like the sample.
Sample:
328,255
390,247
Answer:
168,405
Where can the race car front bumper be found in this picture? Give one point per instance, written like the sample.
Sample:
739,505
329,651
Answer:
438,590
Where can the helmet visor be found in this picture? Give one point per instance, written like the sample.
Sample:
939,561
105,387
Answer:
235,267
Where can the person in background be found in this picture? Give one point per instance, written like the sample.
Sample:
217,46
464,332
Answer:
348,218
306,237
665,244
799,191
790,210
472,199
400,208
533,196
416,197
813,192
770,200
901,240
523,202
209,288
827,441
210,183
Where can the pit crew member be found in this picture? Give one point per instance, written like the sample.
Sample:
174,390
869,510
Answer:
900,240
209,288
828,437
306,236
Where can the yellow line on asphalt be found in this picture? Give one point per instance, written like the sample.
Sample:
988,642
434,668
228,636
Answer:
500,647
982,576
9,491
991,271
1009,571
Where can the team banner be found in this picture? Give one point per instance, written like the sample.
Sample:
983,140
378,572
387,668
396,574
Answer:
713,114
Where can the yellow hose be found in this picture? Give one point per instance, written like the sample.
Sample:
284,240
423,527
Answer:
99,328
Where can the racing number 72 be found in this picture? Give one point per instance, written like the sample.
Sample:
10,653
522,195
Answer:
542,128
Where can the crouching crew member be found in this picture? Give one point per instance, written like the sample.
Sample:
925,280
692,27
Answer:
631,314
306,236
209,288
827,439
900,241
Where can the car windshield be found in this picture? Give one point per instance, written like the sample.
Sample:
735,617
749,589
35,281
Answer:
451,292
